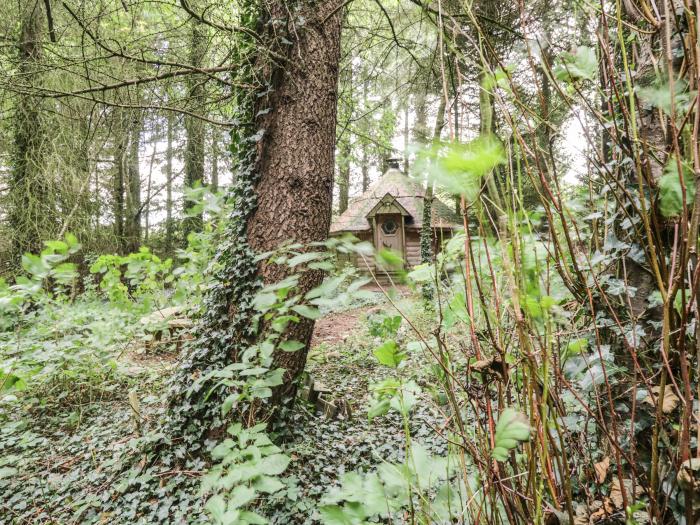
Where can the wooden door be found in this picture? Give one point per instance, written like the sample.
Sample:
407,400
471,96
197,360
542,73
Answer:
390,233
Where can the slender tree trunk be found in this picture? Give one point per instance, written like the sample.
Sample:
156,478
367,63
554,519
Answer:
215,145
406,136
426,234
365,157
132,225
365,170
194,127
120,176
31,214
169,185
345,146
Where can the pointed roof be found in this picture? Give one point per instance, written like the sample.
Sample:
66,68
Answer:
407,193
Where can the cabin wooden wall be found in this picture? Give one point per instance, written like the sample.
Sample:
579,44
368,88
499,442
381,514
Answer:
412,247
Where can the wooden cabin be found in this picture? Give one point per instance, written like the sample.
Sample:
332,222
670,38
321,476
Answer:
390,216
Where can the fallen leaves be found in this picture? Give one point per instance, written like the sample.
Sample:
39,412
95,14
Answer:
601,469
670,400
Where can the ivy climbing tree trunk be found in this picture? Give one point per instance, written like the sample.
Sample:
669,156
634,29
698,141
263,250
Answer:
295,189
31,209
426,234
284,161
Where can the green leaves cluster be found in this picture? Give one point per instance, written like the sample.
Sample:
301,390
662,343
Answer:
249,465
420,481
671,188
512,428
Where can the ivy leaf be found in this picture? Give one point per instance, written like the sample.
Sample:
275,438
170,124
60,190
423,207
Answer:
389,354
307,311
511,428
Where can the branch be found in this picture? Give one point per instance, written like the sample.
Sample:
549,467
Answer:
229,29
154,78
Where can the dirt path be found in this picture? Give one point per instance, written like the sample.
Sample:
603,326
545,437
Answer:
334,328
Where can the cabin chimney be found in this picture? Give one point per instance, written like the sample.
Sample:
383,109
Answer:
394,163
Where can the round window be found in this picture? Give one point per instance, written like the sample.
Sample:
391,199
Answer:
389,226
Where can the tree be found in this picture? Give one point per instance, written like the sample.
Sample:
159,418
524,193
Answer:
32,212
283,193
194,127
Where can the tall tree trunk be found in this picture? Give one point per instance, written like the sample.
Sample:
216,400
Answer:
345,146
215,152
132,224
120,176
169,185
31,214
365,145
194,127
295,190
283,192
426,234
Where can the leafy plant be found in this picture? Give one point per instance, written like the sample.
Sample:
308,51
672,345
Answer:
512,428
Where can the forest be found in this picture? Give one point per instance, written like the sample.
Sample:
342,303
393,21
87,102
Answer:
345,262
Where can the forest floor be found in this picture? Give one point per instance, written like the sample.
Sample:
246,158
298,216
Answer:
60,461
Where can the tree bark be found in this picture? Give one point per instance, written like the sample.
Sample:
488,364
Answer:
215,152
426,234
32,213
120,176
194,127
345,146
132,225
295,188
169,185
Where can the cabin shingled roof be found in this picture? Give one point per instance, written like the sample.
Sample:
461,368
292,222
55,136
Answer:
407,192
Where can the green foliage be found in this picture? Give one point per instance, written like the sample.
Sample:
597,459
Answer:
420,484
384,325
581,64
129,278
512,427
671,191
248,466
389,354
459,168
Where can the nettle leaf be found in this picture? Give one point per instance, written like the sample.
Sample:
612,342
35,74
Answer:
389,354
512,427
240,496
378,409
307,311
274,465
580,64
460,168
671,192
659,96
305,258
268,484
335,515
